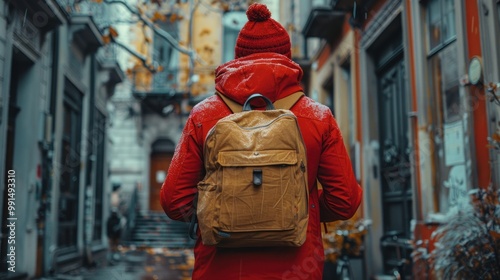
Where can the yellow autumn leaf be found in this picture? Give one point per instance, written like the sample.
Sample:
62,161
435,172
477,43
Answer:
157,16
496,137
112,32
493,86
204,31
97,1
106,39
208,49
173,17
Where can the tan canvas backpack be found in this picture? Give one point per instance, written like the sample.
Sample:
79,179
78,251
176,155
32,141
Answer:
255,190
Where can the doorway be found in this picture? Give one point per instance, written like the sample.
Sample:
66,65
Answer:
69,183
394,153
161,157
160,162
20,66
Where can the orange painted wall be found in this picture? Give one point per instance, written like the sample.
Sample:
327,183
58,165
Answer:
324,55
479,112
414,105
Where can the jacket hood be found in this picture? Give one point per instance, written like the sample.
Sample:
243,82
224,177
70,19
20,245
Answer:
270,74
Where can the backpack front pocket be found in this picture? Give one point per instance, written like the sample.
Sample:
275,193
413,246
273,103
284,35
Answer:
258,190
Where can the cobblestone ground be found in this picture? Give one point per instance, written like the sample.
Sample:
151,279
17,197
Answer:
138,264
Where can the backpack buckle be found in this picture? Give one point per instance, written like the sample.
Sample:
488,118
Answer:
257,177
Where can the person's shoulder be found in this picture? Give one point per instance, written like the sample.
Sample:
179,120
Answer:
206,104
210,107
308,108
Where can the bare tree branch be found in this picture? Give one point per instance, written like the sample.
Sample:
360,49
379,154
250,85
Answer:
139,56
122,21
158,31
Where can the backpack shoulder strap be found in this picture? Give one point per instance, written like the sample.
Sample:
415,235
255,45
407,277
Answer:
235,107
283,103
289,101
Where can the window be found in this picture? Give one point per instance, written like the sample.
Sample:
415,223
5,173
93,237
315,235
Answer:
441,22
345,73
166,57
329,90
346,77
444,76
445,104
316,3
70,169
498,8
99,139
232,24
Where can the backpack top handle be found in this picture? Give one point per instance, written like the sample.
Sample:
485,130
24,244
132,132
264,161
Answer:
248,107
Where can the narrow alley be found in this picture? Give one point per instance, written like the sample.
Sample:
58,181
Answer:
135,263
159,249
105,106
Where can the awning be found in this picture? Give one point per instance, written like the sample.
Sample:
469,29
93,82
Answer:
358,10
323,23
85,33
351,5
155,103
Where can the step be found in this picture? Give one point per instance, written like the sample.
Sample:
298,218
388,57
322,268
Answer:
160,225
161,244
163,239
157,228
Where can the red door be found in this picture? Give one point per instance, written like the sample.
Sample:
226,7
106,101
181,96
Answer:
158,170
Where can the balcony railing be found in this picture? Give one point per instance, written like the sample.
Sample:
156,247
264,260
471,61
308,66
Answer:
102,14
162,82
108,54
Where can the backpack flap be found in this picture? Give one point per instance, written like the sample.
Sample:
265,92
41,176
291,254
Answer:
257,158
254,161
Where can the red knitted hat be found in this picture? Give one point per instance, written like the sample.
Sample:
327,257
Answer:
262,34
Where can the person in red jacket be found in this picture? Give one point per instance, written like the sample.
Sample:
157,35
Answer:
263,65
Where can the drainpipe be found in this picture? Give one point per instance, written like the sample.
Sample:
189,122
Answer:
88,232
193,8
44,210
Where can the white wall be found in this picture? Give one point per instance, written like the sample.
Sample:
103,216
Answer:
126,153
32,98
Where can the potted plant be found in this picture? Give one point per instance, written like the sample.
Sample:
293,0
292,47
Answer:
468,246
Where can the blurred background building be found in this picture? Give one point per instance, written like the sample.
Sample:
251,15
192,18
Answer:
95,93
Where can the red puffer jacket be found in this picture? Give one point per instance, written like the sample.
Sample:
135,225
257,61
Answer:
274,76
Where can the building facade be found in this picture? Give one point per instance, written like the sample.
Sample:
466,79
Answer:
189,40
57,76
410,86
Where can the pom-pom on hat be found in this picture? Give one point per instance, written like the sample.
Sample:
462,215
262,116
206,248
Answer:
262,34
